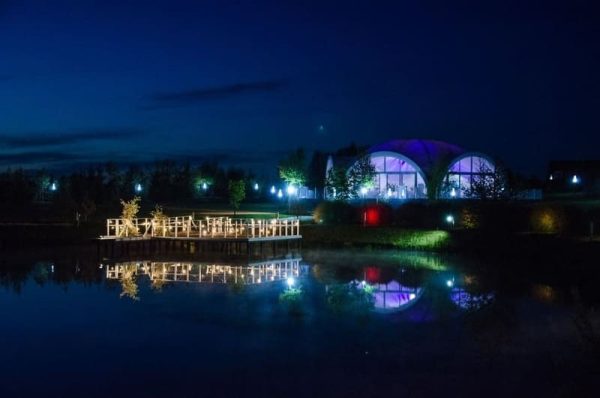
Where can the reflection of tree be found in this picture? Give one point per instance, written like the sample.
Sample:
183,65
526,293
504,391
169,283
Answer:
292,298
128,282
40,273
492,328
350,297
157,285
587,324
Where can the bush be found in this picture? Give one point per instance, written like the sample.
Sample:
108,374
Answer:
335,213
548,219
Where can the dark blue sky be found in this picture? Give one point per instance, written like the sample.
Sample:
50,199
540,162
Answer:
85,81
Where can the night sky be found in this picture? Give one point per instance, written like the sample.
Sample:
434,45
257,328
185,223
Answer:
90,81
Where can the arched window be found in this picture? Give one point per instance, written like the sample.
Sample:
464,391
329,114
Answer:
462,172
397,177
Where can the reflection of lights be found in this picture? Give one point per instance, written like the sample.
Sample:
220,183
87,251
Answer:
273,190
412,296
280,194
290,281
450,282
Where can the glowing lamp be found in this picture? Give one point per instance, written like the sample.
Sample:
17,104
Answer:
575,179
280,194
53,186
450,283
291,190
138,187
204,186
256,186
450,219
363,191
412,296
453,193
273,190
290,281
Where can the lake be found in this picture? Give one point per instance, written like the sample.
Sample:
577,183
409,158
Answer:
322,323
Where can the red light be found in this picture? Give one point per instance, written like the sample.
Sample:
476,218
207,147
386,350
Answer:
372,274
372,216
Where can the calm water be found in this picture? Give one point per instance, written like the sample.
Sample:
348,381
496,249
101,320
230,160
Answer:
311,324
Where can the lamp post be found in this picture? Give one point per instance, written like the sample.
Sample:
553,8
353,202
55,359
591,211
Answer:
450,220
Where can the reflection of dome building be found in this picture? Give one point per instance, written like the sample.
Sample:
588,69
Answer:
418,169
393,296
468,301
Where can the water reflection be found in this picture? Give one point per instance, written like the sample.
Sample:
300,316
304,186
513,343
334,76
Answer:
191,272
393,296
469,301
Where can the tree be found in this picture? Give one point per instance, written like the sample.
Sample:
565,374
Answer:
337,184
361,175
237,193
293,168
158,220
315,173
487,184
129,213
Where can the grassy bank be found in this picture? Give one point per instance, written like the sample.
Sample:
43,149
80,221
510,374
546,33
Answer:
380,237
480,243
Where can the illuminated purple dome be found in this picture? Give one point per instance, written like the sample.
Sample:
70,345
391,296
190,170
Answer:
427,154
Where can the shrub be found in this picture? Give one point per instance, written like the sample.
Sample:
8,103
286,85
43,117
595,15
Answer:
548,219
335,213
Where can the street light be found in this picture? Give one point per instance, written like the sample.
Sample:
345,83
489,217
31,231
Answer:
291,190
273,190
256,186
280,194
53,187
453,193
450,219
138,187
575,179
204,186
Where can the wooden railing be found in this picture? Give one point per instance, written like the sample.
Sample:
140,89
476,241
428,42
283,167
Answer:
209,227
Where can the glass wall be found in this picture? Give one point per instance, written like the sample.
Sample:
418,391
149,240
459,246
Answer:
461,174
396,178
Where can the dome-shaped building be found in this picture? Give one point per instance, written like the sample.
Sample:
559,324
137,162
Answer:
420,169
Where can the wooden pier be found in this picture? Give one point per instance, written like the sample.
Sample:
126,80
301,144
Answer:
210,234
